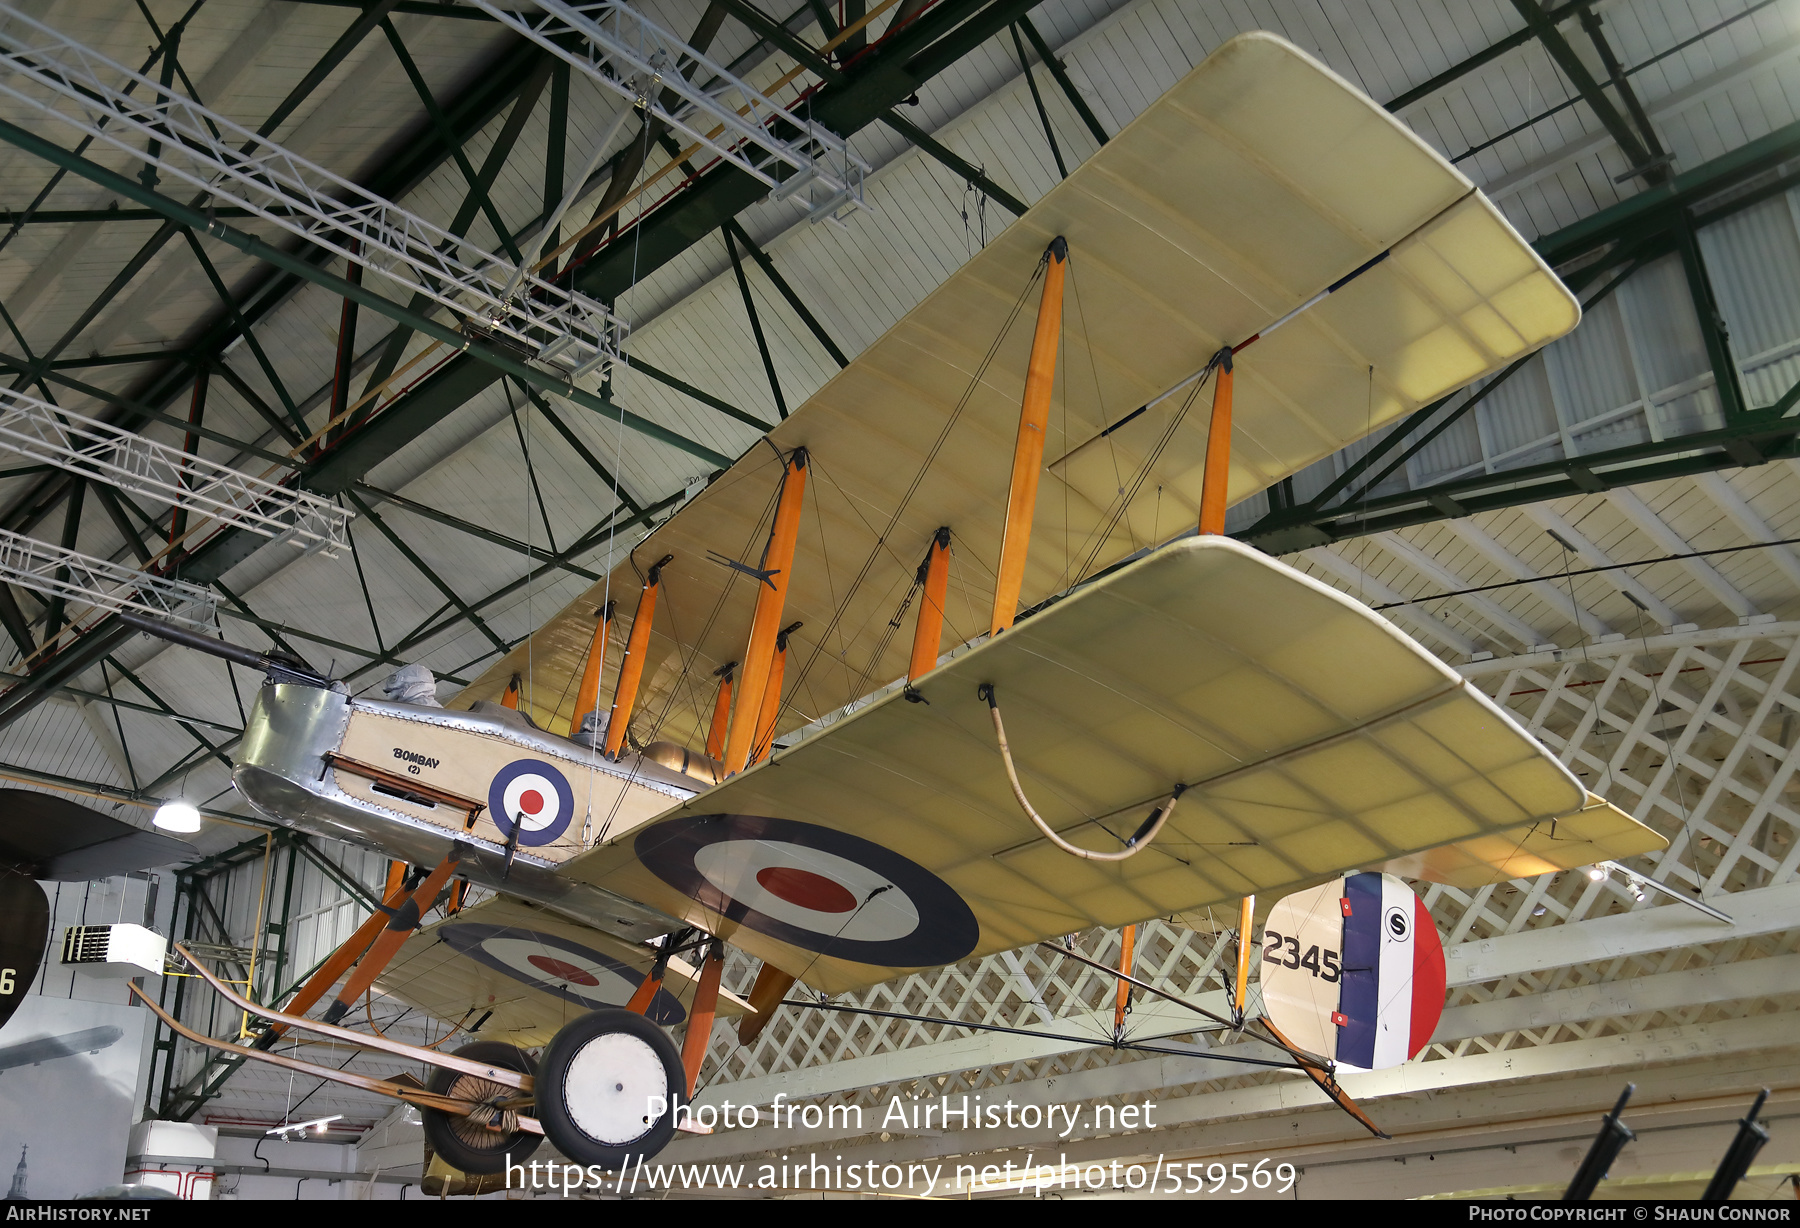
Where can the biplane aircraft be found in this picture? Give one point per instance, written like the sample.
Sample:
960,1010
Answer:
1106,711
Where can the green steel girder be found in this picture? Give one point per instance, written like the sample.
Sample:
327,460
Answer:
336,873
595,465
787,292
1712,324
1757,437
493,91
1655,208
1037,100
419,564
463,526
441,622
267,290
967,171
1629,140
1060,72
327,477
888,74
891,72
1658,219
756,328
114,701
1487,55
478,184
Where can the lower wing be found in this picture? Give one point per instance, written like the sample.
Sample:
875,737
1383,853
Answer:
508,970
1312,738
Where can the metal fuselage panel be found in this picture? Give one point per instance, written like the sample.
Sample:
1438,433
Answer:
285,774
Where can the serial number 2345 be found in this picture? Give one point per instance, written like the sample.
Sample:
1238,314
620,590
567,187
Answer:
1323,964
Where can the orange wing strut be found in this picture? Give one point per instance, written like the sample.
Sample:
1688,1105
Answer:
1218,450
928,632
771,705
653,979
721,720
771,596
339,961
700,1017
1028,451
1127,945
771,987
587,699
400,926
1246,945
511,698
631,670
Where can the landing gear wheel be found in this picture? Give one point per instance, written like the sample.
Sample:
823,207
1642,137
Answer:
598,1083
465,1144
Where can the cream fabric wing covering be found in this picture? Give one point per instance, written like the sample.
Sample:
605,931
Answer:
1313,736
1256,182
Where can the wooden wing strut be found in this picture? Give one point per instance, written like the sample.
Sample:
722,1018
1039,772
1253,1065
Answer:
631,670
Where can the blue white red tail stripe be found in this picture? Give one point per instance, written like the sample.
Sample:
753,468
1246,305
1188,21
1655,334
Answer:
1359,999
1353,970
1393,989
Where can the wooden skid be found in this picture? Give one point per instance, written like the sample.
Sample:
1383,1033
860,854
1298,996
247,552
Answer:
381,1087
449,1061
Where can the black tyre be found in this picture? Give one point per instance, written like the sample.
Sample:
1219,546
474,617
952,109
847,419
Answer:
599,1086
467,1145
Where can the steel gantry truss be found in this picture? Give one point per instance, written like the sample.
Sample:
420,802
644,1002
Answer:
627,54
69,575
231,164
136,463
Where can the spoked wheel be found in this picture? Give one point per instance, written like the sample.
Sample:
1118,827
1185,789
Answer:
466,1144
607,1088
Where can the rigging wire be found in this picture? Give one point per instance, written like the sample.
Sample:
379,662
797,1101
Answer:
925,467
1102,534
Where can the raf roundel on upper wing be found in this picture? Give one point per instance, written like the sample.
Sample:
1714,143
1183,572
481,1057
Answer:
534,795
814,888
558,966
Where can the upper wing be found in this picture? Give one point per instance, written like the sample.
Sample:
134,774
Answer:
1258,181
509,970
1313,738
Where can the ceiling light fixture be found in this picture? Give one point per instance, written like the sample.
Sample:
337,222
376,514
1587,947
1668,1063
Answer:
177,816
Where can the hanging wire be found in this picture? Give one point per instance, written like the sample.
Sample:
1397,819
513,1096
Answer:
925,467
1103,532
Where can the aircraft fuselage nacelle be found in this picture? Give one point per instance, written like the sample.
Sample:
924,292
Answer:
411,782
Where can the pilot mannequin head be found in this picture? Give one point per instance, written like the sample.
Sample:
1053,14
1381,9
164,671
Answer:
412,684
